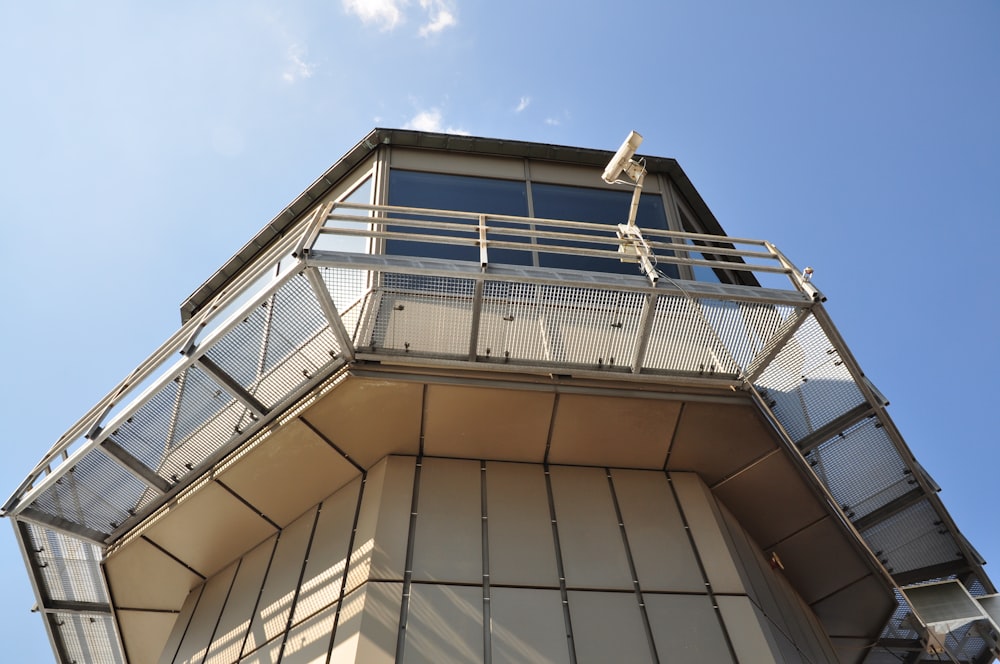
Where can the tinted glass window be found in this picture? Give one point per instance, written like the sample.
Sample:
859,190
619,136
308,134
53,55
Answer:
464,194
554,201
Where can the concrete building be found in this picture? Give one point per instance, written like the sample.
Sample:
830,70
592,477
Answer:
443,408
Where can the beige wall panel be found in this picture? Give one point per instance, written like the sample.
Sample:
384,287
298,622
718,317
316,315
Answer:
144,634
444,624
369,625
209,529
328,554
589,537
278,593
448,543
288,473
206,616
479,423
686,628
527,626
698,507
180,626
379,550
354,417
661,548
758,577
239,609
143,577
309,642
611,431
716,440
522,551
794,620
750,637
466,164
820,559
607,627
771,500
583,176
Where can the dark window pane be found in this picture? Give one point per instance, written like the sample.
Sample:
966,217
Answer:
464,194
554,201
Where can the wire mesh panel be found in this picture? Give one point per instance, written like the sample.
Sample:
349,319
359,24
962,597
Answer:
683,340
87,638
68,566
347,289
744,328
277,345
912,539
96,493
807,385
423,315
862,468
580,326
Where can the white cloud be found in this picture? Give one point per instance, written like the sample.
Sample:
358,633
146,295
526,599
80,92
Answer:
552,122
523,104
386,14
296,68
431,120
439,15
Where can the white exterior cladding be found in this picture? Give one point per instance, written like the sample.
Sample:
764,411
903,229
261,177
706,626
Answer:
512,441
561,564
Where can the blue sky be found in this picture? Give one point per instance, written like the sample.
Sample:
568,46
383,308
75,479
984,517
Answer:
144,143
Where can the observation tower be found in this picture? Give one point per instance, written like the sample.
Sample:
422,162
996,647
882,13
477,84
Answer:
465,400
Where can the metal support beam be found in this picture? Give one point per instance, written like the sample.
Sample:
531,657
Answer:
63,525
646,319
831,429
939,571
889,509
66,606
233,386
134,466
477,311
332,315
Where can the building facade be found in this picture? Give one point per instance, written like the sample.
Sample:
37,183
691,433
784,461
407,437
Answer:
449,406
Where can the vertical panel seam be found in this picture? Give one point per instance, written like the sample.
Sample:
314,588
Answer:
404,606
567,618
487,591
347,566
260,593
631,568
180,641
701,567
222,609
298,584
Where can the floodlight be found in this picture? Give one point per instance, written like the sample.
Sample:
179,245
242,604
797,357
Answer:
623,158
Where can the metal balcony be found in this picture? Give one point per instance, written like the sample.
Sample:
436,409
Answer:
309,307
